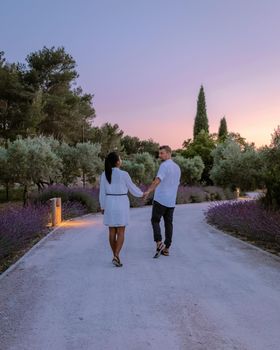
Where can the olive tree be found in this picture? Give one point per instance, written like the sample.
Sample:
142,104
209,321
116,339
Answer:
191,169
135,170
70,165
142,167
236,167
89,163
32,161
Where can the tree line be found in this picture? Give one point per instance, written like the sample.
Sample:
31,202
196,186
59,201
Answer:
41,98
230,161
43,161
47,135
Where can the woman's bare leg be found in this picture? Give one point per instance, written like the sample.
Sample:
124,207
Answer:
113,239
120,240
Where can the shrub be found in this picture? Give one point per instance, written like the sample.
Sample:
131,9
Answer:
71,209
87,197
271,172
201,146
142,167
191,169
234,166
218,193
32,161
190,194
247,218
18,226
136,171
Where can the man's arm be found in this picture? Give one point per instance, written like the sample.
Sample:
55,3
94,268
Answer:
152,187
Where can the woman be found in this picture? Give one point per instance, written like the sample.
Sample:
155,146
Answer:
114,202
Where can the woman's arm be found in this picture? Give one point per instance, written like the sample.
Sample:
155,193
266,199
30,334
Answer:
132,188
102,193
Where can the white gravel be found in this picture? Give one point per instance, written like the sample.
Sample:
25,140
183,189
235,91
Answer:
214,292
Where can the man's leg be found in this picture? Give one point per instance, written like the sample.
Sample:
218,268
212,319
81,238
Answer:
168,222
157,213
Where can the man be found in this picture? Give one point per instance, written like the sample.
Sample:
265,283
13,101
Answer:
165,186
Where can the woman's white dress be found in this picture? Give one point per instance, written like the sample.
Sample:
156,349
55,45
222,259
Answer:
113,197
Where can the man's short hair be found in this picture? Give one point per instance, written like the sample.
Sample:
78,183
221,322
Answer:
166,148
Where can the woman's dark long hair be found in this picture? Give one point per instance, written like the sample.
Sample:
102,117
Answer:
110,162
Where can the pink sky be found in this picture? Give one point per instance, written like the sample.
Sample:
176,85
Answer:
251,107
145,60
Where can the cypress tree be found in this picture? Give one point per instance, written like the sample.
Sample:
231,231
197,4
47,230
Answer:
201,119
223,131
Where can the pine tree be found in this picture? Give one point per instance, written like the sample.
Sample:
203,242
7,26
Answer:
223,131
201,119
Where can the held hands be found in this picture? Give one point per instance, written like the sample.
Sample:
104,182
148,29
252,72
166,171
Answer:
145,196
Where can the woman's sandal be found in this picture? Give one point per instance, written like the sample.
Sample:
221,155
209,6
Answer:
116,261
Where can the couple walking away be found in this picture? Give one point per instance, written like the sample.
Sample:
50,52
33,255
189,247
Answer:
114,202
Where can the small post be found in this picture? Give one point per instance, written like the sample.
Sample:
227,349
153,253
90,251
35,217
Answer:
236,193
56,211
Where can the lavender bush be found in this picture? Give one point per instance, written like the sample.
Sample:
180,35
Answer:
190,194
218,193
18,226
247,218
71,209
88,198
197,194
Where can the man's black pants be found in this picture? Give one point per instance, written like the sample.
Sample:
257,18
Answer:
158,212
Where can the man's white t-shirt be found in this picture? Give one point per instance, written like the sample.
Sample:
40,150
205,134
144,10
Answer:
169,174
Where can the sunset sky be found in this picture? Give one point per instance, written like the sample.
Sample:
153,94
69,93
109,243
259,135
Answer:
145,60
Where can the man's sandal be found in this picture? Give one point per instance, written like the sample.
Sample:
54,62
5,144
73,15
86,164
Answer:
165,252
116,261
160,248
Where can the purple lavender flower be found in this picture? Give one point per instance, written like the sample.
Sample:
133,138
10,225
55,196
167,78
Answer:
18,226
247,218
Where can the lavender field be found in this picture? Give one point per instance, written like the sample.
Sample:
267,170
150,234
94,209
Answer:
21,227
248,220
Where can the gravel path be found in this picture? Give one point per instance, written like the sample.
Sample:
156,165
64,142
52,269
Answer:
213,292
